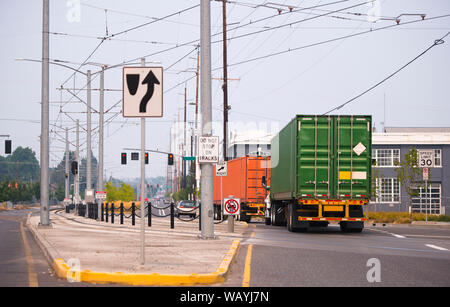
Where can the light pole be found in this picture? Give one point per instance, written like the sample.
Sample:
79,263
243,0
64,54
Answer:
44,155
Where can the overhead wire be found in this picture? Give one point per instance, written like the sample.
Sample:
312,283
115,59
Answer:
436,43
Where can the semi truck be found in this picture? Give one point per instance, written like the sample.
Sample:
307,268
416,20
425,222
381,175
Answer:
243,181
321,172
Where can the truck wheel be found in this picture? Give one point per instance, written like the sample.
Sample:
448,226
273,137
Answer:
351,226
277,218
267,220
292,223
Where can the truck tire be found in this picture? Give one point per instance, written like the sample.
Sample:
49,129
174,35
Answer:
293,225
267,220
351,227
277,218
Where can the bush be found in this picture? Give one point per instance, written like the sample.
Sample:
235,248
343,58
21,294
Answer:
403,217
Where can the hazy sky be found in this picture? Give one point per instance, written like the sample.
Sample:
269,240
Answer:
268,92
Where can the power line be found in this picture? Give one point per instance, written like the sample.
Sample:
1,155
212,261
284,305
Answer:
436,42
329,41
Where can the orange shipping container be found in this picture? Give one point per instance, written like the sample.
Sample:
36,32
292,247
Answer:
243,180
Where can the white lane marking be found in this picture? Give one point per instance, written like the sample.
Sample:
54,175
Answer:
436,247
392,234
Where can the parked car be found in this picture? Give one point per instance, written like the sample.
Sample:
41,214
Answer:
186,207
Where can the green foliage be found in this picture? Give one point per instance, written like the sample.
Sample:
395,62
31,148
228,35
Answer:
21,165
123,193
404,217
409,174
19,191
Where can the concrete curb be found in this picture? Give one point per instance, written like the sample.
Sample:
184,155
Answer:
49,251
155,279
65,272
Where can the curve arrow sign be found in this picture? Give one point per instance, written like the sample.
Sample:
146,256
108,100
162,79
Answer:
150,80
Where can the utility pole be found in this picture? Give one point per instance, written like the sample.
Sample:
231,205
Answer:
44,208
77,158
207,213
197,167
184,140
67,192
88,136
100,186
230,222
225,80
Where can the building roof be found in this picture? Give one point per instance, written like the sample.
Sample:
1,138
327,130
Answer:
411,138
260,137
417,129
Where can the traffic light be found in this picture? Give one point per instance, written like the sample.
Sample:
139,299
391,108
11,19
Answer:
7,147
146,158
124,158
74,167
170,159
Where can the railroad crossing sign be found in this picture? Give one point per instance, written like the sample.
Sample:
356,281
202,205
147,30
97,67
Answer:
426,158
142,92
232,206
208,149
221,169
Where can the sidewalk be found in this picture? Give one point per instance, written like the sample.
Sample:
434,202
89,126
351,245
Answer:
110,253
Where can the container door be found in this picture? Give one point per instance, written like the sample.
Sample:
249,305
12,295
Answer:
353,156
256,169
315,167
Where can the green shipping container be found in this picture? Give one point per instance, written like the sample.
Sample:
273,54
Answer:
322,157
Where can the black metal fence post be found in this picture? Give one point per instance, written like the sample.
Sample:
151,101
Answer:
95,211
172,216
133,212
112,213
199,217
121,213
149,207
106,212
103,211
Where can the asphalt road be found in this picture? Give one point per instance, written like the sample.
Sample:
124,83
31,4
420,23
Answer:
405,256
22,263
274,257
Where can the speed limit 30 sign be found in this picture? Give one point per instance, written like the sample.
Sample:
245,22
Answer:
231,206
426,158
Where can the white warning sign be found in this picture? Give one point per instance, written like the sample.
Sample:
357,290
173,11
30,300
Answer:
208,149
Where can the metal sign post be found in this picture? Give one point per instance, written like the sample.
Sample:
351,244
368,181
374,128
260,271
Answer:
231,207
142,97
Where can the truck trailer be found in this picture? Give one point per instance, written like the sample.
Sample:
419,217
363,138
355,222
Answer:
243,181
321,172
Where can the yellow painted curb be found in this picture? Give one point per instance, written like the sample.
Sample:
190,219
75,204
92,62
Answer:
154,279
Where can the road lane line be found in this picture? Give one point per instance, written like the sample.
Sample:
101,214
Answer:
32,276
248,259
252,235
387,232
436,247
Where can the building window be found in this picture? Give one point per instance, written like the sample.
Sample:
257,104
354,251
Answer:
386,157
437,158
427,200
387,190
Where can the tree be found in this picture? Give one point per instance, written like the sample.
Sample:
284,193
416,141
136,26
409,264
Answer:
409,175
21,165
123,193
